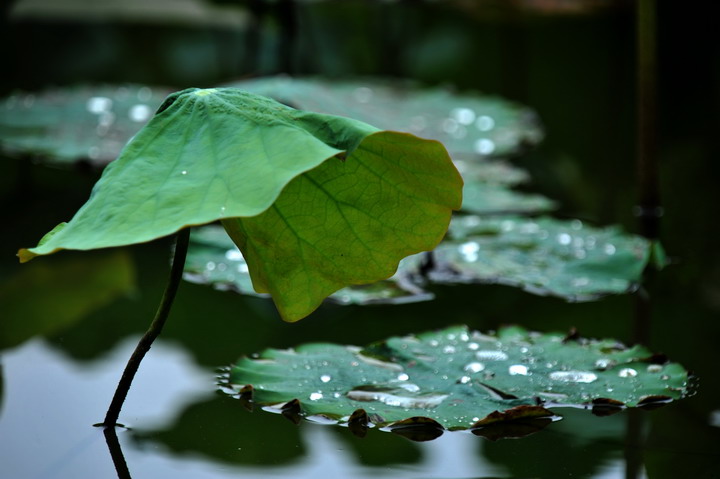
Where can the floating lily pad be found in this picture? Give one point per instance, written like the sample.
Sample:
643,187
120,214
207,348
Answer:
455,378
315,202
484,198
542,255
495,172
84,123
468,124
213,259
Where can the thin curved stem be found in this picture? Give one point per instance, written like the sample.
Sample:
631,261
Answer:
116,453
181,246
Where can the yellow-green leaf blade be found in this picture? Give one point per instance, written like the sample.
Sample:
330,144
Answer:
349,222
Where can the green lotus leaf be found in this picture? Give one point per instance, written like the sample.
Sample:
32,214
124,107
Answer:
485,198
542,255
314,202
83,123
470,125
213,259
458,378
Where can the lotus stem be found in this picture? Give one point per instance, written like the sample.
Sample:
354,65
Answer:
143,346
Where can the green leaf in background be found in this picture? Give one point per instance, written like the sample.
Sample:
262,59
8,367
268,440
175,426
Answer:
485,198
82,123
468,124
355,200
542,255
457,378
213,259
488,189
68,290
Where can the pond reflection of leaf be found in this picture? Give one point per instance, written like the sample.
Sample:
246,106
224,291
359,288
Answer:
46,297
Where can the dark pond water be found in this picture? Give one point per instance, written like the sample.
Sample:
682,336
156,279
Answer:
576,71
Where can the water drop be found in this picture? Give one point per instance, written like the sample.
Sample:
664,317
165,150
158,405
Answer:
460,133
475,367
609,249
465,379
315,396
573,376
403,377
450,125
469,251
518,370
106,118
564,239
221,266
413,388
490,355
325,378
627,373
485,123
449,349
418,123
484,146
203,92
140,113
183,172
210,266
94,153
654,368
576,225
363,94
464,116
580,281
604,363
99,104
233,255
368,394
473,346
144,94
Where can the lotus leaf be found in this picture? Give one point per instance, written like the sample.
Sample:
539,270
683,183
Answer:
542,255
66,125
456,378
468,124
314,202
215,260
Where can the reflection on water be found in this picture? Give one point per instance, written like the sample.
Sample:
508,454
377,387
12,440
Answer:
51,402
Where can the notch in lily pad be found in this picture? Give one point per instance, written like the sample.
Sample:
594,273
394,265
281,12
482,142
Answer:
314,202
503,384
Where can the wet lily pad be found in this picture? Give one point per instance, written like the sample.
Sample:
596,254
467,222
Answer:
489,189
213,259
84,123
454,379
485,198
542,255
468,124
